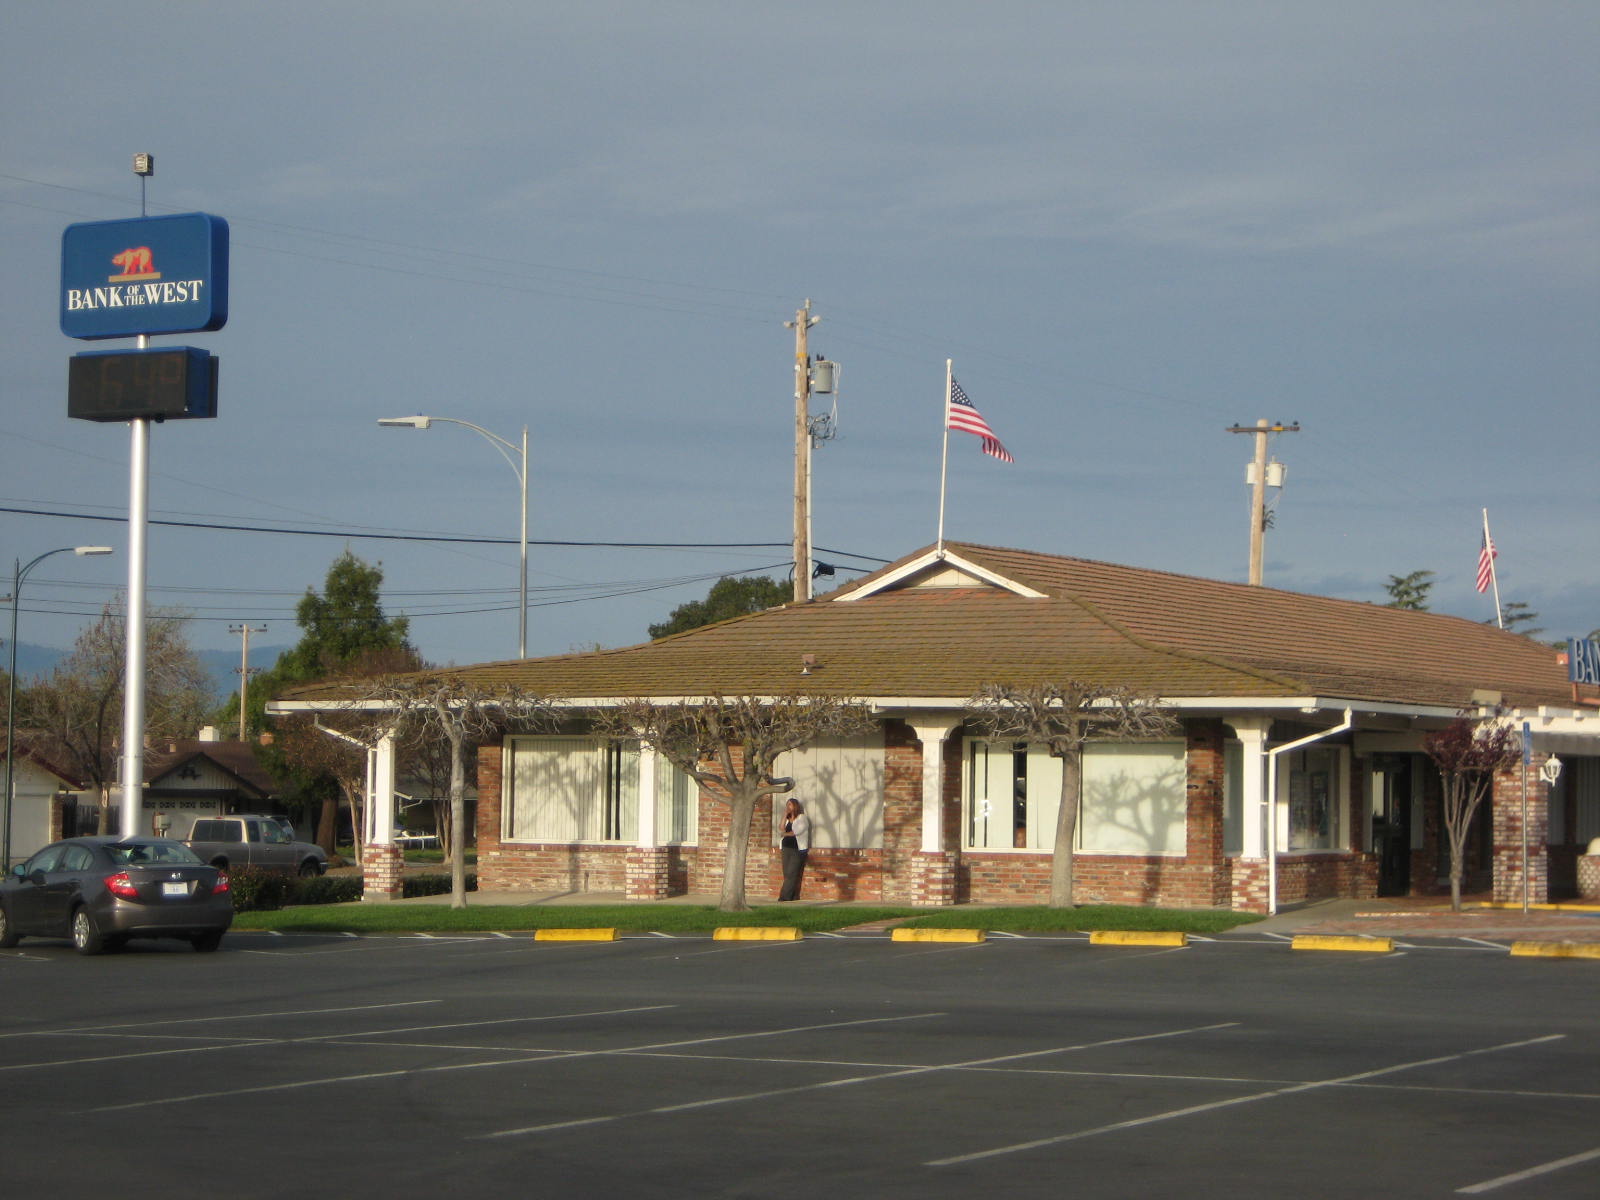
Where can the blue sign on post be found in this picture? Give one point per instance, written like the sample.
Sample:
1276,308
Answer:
145,275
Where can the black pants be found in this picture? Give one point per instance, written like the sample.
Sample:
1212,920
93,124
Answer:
794,868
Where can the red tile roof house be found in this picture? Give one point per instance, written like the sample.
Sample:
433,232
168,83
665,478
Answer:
1319,703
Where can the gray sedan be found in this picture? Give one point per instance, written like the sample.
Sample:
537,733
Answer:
100,891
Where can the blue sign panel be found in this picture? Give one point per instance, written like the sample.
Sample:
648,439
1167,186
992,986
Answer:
144,275
1583,660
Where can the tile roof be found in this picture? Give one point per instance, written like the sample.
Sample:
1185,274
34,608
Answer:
1176,636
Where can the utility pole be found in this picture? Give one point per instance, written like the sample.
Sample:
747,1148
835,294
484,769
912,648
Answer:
1258,491
244,668
802,323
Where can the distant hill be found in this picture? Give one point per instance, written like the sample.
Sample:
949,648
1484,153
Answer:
221,665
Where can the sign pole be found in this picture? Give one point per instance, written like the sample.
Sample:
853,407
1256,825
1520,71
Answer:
133,704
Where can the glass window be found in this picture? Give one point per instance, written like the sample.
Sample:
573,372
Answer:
1233,798
1135,798
76,858
840,783
677,806
1013,796
1316,808
572,789
46,860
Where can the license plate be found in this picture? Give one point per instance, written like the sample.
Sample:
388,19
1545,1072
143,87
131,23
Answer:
174,889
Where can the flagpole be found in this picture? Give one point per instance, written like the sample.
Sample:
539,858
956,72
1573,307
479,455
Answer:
1494,577
944,457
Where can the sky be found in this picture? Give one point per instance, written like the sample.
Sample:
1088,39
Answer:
1131,226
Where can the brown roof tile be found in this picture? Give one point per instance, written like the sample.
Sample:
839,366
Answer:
1174,635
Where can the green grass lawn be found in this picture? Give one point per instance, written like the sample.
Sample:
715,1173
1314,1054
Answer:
693,919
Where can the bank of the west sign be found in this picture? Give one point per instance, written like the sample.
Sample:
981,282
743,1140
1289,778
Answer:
147,275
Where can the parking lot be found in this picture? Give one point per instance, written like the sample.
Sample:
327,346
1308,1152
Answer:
850,1066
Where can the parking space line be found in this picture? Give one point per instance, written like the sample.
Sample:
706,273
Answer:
1233,1101
532,1056
167,1022
247,1042
1489,1185
899,1073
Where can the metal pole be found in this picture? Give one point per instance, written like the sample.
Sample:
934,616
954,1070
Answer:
522,546
133,688
11,715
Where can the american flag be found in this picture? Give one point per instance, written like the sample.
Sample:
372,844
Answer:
960,414
1486,557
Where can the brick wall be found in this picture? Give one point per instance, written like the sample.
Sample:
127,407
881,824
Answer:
900,872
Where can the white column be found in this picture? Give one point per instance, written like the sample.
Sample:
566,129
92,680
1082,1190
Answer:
382,797
1252,734
932,731
649,763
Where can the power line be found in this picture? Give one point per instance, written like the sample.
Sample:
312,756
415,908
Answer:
436,537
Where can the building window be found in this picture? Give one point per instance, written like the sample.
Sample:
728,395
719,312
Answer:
582,789
572,789
840,783
1133,799
1316,799
677,806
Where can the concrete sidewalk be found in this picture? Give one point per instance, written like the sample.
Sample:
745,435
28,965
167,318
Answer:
1397,916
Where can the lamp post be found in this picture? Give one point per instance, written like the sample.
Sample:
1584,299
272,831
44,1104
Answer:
21,573
506,449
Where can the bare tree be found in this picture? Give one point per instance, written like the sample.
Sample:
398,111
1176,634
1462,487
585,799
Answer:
1468,753
728,745
1062,717
453,709
78,710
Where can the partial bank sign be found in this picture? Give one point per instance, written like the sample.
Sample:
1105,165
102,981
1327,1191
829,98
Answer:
1583,660
146,275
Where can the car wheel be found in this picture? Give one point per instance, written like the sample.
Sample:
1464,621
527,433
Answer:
206,943
8,933
86,938
309,869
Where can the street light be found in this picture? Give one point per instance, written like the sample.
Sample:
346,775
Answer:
506,449
18,576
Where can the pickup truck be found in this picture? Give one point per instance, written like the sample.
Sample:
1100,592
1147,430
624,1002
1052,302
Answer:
252,840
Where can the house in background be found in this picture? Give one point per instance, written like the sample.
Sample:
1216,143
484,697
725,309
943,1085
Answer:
46,803
201,777
1297,771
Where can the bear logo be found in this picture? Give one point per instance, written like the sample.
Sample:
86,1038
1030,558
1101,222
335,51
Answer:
136,263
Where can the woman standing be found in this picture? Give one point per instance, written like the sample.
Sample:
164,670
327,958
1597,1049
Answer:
796,845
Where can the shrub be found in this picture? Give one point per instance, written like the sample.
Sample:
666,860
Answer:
326,889
255,890
433,885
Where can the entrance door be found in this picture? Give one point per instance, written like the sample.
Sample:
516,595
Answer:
1391,822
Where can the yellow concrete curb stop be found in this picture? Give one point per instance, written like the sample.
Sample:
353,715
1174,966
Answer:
574,935
1137,937
1329,941
756,933
1555,949
936,935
